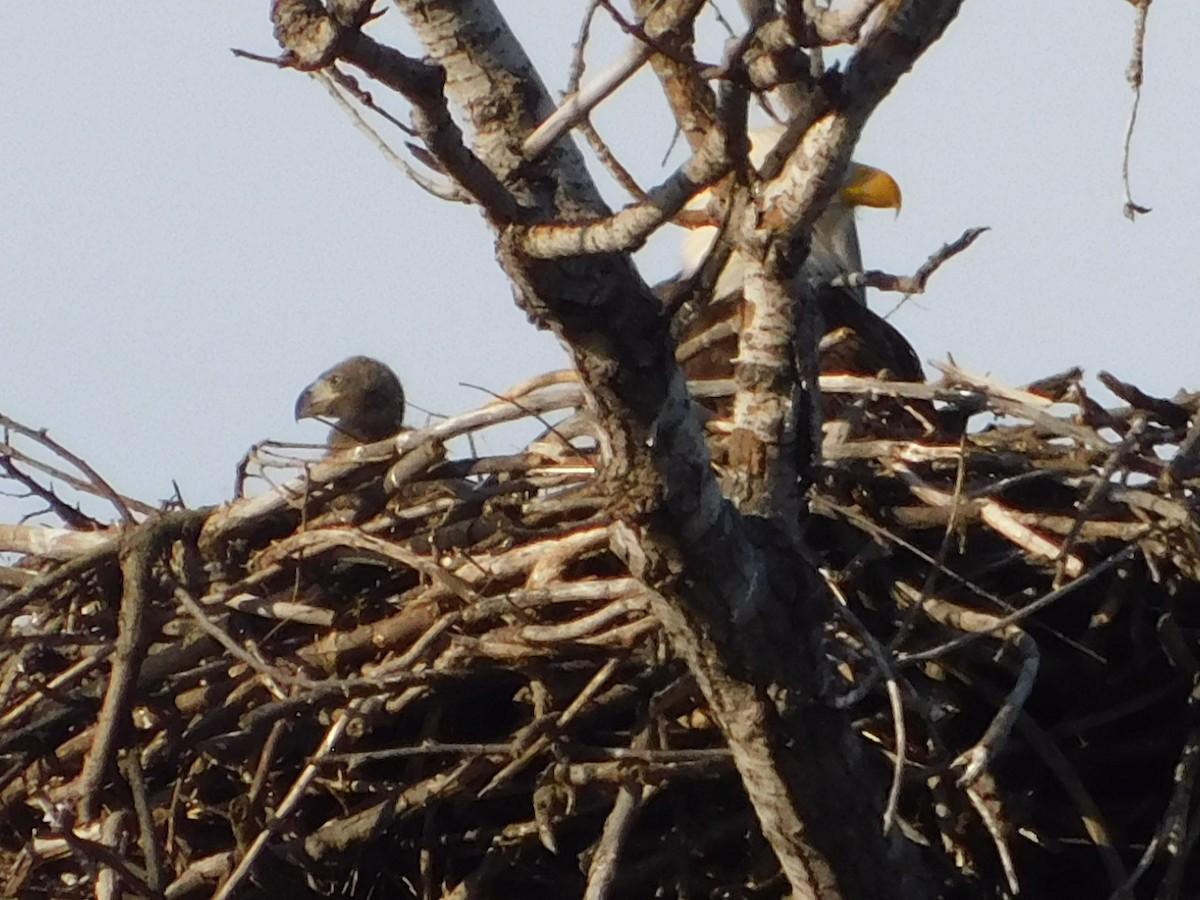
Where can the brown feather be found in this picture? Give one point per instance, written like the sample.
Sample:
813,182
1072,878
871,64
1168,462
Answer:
856,341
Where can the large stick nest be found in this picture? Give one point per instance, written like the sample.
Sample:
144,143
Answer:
417,671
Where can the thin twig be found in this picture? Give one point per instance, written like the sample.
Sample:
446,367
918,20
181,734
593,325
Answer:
336,729
608,159
95,483
576,107
915,283
443,190
1135,74
882,657
1024,612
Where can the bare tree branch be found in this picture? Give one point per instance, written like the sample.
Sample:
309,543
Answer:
692,101
577,106
626,230
610,162
443,190
842,25
93,481
1134,74
915,283
422,85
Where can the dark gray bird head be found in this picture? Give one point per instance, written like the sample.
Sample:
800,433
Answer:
361,395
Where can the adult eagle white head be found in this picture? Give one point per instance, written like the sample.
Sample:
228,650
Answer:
855,340
834,248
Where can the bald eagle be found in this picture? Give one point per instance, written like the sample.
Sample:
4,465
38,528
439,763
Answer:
855,340
363,397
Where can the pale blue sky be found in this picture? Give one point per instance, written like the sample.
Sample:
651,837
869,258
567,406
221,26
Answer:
186,238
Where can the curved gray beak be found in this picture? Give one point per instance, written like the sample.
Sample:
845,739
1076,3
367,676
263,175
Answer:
313,400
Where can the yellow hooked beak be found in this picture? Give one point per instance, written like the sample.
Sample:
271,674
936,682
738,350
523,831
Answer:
868,186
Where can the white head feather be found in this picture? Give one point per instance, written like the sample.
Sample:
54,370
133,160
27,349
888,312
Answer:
834,246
